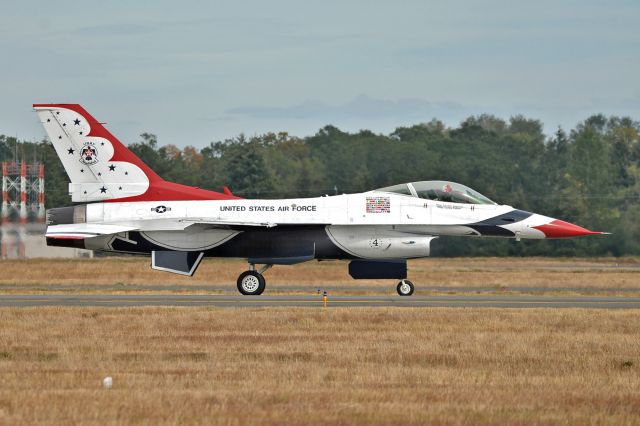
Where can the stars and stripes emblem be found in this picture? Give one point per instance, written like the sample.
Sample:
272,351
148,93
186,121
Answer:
378,205
161,209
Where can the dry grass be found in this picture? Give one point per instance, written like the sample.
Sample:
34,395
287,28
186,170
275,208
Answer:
342,366
481,272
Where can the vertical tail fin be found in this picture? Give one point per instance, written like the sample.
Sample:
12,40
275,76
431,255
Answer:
100,167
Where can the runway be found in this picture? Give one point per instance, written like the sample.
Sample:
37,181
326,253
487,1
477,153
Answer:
331,288
232,301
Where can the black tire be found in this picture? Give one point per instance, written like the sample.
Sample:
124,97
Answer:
251,283
405,288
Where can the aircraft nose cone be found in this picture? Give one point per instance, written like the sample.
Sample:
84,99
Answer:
561,229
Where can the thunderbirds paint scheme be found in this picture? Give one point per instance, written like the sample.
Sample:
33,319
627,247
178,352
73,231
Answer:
127,208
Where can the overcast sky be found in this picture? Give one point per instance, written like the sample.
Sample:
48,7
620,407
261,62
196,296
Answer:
195,72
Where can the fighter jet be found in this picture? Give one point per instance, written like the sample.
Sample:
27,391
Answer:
125,207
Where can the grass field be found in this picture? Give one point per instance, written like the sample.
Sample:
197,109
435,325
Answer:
312,366
490,273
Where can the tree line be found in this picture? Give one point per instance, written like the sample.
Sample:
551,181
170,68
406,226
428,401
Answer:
589,175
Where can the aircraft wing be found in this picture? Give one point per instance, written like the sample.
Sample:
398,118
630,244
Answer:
80,231
196,221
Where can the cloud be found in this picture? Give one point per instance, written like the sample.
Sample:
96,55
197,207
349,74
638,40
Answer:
118,29
360,108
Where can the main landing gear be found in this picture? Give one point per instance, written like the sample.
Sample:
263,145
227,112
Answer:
405,288
251,282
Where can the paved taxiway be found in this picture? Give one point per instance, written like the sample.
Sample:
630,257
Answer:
228,288
462,301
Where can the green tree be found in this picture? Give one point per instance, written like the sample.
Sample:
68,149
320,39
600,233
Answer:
245,169
590,176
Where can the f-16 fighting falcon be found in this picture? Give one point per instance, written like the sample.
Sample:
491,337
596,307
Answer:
125,207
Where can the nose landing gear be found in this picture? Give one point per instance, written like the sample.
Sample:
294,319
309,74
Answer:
405,288
251,282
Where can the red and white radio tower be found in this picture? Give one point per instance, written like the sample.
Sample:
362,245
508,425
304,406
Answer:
22,203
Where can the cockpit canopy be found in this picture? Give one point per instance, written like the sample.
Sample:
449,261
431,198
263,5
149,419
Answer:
439,190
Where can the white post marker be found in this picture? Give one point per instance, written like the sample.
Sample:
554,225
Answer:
107,382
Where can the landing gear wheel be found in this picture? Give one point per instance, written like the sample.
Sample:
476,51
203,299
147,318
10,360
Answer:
405,288
251,283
